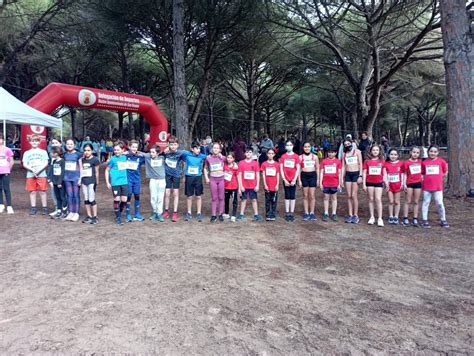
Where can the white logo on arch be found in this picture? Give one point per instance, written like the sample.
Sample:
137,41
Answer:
87,97
37,129
162,136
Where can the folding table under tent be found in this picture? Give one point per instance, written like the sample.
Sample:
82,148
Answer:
14,111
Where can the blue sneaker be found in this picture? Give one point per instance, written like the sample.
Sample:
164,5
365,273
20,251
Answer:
348,219
258,218
153,217
118,220
355,219
187,216
129,218
138,217
305,217
325,217
312,217
198,217
240,217
160,217
334,217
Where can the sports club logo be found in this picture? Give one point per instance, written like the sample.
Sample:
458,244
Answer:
86,97
37,129
162,136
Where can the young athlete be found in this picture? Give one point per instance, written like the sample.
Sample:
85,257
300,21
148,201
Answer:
395,178
249,182
72,160
134,177
412,168
373,179
290,170
193,188
56,177
173,157
214,174
35,160
433,169
308,180
352,169
331,182
89,180
231,185
117,169
155,171
6,164
271,177
53,143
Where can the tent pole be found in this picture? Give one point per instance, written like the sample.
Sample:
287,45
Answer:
5,130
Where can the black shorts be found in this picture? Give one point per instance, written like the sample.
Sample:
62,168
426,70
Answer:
414,185
193,186
330,190
351,177
172,182
249,194
375,185
120,190
290,192
308,179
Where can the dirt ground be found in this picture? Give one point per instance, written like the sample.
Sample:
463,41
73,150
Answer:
234,288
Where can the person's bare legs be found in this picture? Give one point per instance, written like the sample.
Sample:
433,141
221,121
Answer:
312,199
334,204
175,199
378,201
371,193
350,205
306,199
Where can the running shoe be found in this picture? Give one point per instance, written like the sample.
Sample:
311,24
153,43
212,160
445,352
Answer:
32,211
287,217
415,222
165,214
94,220
348,219
390,220
226,216
305,217
396,221
69,216
53,214
444,224
75,217
371,221
355,219
187,216
258,218
213,219
325,217
118,220
240,217
380,222
2,207
153,217
232,219
10,210
87,219
199,217
138,217
425,224
129,218
174,217
312,216
405,222
160,218
44,211
334,217
221,218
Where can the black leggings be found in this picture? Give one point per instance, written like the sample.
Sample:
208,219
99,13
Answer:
290,192
231,194
61,197
5,187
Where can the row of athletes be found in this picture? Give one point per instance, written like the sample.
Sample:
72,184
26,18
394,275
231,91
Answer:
228,179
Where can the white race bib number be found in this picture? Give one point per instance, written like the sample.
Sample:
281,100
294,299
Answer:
216,167
270,171
193,170
394,177
351,160
332,169
309,163
249,175
171,163
289,163
132,165
156,162
415,169
3,162
228,176
432,170
35,163
70,166
56,171
87,172
122,165
375,170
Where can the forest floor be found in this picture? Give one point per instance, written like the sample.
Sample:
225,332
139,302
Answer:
234,288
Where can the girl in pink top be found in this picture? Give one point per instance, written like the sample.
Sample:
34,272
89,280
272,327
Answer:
214,175
6,164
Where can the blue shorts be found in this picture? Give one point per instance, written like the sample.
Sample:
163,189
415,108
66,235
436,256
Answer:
249,194
134,188
330,190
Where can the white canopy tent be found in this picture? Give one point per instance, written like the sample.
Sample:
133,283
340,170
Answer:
14,111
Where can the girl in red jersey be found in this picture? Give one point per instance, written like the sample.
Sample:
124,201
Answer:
249,183
433,169
290,170
395,177
412,168
271,177
331,181
352,169
231,185
308,180
373,179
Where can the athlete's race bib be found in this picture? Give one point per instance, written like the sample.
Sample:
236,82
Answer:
132,165
228,176
332,169
216,167
70,166
35,163
193,170
394,177
375,170
156,163
351,160
171,163
270,171
56,171
289,163
432,170
3,162
249,175
309,163
415,168
122,165
87,172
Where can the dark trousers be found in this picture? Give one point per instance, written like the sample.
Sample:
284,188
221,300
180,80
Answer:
61,197
234,195
5,187
271,200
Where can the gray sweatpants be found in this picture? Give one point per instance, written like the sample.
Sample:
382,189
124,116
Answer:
438,198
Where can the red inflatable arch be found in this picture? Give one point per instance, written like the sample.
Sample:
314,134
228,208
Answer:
57,94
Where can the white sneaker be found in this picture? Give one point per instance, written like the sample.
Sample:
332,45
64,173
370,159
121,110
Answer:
75,217
2,208
380,222
225,216
54,213
371,221
232,219
10,210
69,216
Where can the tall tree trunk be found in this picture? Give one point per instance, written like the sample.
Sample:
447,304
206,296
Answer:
200,100
141,133
405,132
73,122
131,130
120,124
459,89
251,95
179,87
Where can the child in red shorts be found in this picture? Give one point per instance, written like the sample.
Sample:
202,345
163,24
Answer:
331,182
395,177
271,176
